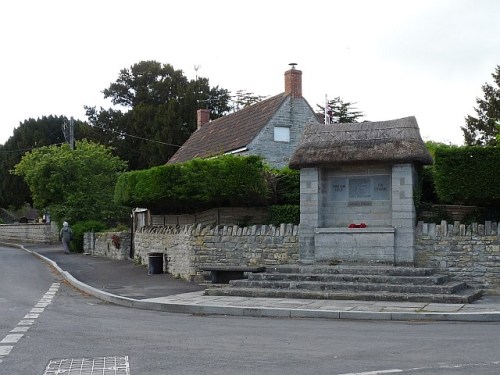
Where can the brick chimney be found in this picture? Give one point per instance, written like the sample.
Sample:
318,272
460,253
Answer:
293,82
202,117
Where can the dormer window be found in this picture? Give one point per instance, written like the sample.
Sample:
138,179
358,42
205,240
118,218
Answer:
281,134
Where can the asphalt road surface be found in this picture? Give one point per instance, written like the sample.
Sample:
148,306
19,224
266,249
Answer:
68,325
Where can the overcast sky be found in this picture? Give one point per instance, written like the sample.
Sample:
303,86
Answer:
398,58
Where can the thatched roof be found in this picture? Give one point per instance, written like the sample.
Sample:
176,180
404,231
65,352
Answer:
394,141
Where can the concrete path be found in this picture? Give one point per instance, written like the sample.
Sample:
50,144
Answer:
124,283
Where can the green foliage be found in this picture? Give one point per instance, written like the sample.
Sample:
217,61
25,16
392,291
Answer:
433,213
468,175
284,185
31,133
82,227
428,190
74,185
289,213
482,129
243,99
159,114
225,181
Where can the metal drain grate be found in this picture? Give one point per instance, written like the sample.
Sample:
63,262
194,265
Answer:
89,366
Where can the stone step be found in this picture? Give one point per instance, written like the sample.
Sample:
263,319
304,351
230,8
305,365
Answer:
346,277
465,296
353,269
448,288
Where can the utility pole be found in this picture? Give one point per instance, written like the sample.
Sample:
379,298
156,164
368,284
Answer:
71,133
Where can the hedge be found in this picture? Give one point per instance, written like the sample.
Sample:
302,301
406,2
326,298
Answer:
468,175
225,181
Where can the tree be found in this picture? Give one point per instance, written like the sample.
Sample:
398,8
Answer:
160,106
74,185
482,130
244,99
340,112
30,134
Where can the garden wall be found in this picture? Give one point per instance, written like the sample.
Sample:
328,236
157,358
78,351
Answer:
468,252
31,233
113,245
187,248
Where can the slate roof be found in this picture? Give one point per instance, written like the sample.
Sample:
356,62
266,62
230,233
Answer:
393,141
230,132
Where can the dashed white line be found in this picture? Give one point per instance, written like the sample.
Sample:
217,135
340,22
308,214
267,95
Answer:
5,350
20,329
24,324
12,339
31,316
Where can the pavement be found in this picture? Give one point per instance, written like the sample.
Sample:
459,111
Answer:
124,283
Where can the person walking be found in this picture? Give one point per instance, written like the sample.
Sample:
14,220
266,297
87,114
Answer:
66,235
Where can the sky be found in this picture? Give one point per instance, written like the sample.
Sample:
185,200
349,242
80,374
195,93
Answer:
393,58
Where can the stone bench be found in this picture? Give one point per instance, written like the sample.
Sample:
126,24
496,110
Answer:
221,274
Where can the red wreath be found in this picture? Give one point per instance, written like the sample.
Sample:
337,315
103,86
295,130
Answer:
362,225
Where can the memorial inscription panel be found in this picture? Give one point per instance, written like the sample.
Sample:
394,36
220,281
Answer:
361,189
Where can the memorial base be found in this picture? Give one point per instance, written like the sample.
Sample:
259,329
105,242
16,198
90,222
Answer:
367,245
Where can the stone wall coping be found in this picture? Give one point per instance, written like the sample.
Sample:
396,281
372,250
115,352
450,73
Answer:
356,230
456,229
222,230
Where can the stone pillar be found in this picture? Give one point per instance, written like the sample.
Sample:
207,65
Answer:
309,213
403,213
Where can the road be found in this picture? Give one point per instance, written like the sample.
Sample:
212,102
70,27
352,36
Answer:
74,326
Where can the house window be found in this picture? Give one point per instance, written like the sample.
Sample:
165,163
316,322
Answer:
281,134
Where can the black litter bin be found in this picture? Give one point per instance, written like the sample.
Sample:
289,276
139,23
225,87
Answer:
155,265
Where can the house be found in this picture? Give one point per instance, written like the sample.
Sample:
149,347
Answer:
25,214
271,128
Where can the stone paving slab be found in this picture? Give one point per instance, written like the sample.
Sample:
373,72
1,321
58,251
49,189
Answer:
190,299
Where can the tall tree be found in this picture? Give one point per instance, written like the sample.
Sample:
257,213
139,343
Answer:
157,112
74,185
482,129
340,112
30,134
244,99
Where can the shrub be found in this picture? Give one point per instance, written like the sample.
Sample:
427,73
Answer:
80,228
284,186
289,214
468,175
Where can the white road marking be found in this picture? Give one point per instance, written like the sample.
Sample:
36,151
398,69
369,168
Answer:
12,339
28,320
439,366
5,350
381,372
20,329
89,366
31,316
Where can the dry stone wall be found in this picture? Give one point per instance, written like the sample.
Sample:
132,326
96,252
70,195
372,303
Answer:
113,245
186,249
35,233
468,252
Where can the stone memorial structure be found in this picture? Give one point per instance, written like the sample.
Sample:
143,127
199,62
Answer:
357,186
